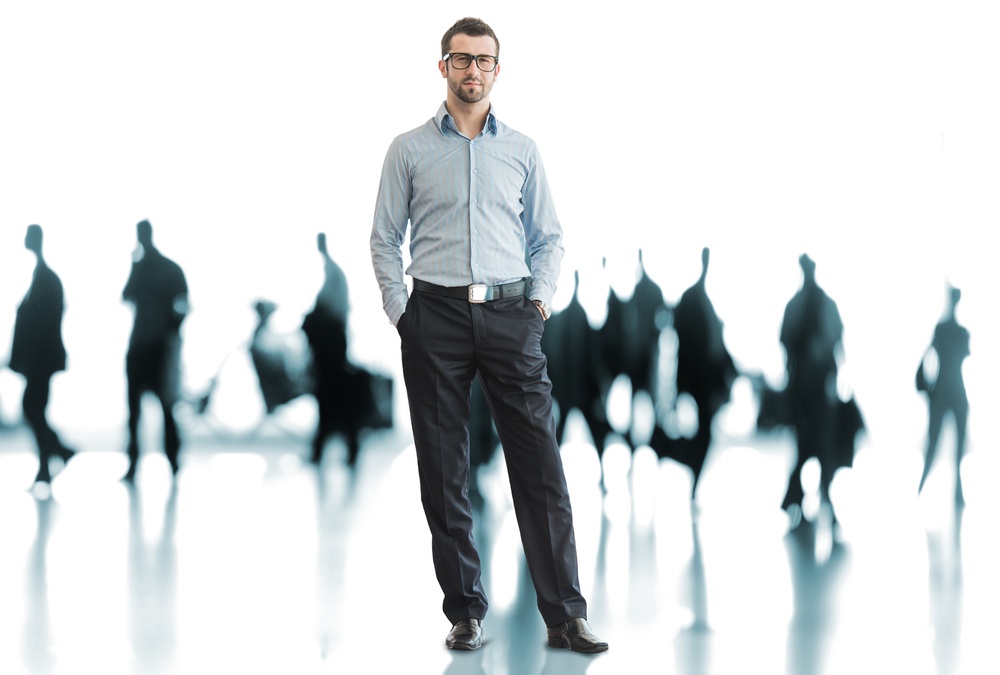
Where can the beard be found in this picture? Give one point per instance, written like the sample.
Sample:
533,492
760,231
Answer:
470,95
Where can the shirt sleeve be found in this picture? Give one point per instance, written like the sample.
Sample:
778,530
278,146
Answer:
389,231
542,231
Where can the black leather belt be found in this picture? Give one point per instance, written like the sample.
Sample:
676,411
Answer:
475,292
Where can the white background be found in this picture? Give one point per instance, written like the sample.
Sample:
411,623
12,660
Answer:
863,133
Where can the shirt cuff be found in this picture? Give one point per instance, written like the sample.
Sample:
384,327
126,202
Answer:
396,306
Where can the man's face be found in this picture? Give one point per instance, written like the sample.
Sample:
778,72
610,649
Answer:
470,85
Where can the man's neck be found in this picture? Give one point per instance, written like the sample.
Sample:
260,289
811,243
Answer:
470,118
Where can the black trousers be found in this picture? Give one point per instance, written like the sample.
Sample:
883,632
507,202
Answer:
445,343
154,367
34,403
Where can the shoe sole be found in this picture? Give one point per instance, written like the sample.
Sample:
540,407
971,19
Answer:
558,643
464,646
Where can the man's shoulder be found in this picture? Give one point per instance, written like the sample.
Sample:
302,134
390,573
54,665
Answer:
430,126
517,142
505,130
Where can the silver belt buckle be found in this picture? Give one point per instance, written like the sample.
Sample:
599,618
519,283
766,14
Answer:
478,293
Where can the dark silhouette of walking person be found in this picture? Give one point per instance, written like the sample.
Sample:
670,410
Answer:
811,332
158,292
325,327
333,295
705,368
38,352
646,311
630,339
946,392
576,368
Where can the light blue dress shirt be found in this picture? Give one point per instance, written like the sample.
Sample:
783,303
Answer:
479,212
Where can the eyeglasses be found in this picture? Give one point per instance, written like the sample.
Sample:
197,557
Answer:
484,62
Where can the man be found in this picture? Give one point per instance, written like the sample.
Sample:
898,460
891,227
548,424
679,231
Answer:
38,352
158,291
705,368
474,195
811,332
947,392
325,327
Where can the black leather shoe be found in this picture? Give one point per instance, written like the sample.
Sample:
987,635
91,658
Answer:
576,635
467,634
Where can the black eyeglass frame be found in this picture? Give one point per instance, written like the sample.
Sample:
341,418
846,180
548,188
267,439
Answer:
474,58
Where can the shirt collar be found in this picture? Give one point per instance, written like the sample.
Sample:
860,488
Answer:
444,121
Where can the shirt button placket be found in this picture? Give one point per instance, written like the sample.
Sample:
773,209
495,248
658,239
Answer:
473,208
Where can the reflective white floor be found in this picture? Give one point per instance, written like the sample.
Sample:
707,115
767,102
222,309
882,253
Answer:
253,562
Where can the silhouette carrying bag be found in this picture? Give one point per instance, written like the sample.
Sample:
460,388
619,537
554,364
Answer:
374,397
848,424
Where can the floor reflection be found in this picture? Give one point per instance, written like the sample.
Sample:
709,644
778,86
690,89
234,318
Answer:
252,561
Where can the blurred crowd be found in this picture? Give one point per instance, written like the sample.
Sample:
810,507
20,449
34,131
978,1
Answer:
670,354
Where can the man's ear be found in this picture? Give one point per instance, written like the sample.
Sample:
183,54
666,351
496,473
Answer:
443,67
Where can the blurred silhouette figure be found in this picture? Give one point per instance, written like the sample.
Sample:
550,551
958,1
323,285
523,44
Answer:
325,327
946,392
705,369
630,336
579,378
645,317
158,292
333,295
281,372
613,335
811,331
37,352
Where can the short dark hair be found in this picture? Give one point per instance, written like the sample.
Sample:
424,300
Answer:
468,26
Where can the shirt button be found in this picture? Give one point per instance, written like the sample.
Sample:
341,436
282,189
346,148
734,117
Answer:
475,171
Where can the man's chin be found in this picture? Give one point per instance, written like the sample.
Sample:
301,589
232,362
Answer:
469,94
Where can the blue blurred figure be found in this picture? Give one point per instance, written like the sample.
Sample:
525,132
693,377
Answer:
705,368
811,332
946,392
336,386
38,352
158,292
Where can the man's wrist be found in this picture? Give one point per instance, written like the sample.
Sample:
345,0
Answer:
544,309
